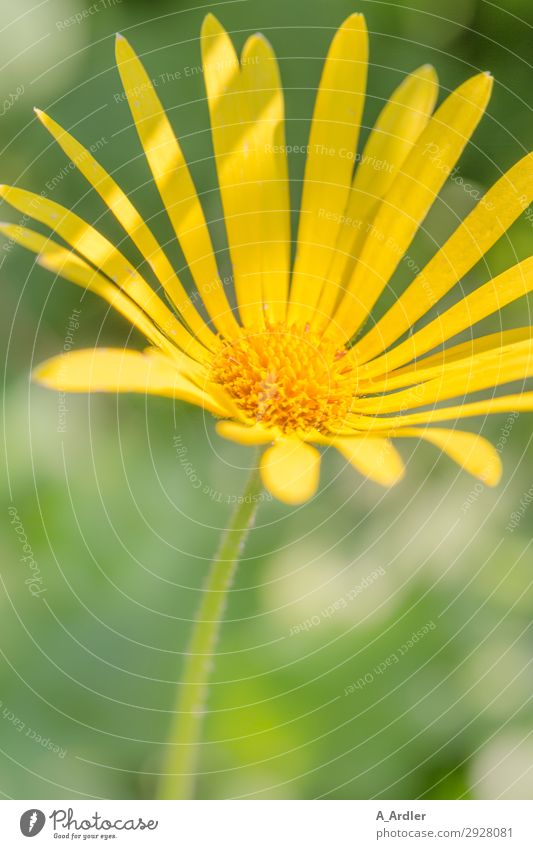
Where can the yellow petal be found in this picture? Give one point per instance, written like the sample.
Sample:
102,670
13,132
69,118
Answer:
245,434
397,128
247,113
374,457
412,193
484,301
328,172
132,222
121,370
290,470
61,261
269,180
522,402
487,222
103,255
439,365
424,368
175,184
232,129
472,374
471,451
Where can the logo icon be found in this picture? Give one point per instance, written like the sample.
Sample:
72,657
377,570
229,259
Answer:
32,822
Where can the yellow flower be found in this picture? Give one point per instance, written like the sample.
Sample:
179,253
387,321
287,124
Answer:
300,362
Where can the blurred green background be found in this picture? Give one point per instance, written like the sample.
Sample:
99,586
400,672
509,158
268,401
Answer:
122,531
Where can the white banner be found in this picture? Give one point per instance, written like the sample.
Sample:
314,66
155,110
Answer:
268,824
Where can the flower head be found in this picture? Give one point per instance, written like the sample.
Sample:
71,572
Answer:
300,361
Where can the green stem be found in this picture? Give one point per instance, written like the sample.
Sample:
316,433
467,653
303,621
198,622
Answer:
180,765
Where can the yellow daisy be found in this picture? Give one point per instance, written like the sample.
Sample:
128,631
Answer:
300,362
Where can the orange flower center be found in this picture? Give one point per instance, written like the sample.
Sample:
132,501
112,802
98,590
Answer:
286,377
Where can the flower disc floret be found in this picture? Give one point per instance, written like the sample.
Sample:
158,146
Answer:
287,377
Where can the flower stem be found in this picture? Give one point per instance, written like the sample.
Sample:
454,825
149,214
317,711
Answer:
180,766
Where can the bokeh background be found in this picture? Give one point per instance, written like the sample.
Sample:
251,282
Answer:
121,500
